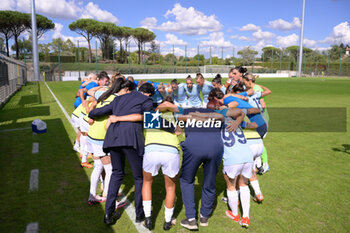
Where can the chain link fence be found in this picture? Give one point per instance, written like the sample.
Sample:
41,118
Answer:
13,75
176,59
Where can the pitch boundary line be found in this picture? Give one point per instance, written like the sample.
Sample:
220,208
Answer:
14,129
32,227
130,210
60,105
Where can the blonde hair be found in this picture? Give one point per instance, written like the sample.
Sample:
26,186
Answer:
250,77
114,77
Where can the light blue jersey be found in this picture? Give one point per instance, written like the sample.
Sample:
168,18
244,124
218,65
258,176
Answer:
205,89
236,148
157,97
194,99
179,95
257,118
223,89
254,100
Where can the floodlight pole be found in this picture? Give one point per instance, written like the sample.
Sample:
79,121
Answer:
301,41
35,43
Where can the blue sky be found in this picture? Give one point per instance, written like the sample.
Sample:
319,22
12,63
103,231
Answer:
220,24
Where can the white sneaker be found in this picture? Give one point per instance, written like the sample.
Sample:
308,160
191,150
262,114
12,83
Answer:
76,146
266,167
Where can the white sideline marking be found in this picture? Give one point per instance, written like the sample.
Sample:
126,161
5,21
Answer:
32,227
34,180
35,149
130,210
15,129
63,110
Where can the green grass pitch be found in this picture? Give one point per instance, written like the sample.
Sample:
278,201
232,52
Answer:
306,190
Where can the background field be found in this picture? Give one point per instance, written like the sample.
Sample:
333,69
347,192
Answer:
306,190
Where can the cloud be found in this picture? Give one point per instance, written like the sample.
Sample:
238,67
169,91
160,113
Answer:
61,9
286,41
216,40
173,40
250,27
188,21
57,33
340,34
234,37
282,25
7,5
149,23
309,43
244,38
92,10
52,8
263,35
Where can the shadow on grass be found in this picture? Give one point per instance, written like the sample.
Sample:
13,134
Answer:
27,106
345,149
60,204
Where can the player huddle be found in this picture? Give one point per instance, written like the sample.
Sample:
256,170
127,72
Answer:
109,115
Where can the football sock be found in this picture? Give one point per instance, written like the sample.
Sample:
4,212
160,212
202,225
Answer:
245,200
95,176
255,186
168,213
147,208
232,197
108,170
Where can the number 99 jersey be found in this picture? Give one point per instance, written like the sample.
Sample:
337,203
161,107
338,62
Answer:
236,148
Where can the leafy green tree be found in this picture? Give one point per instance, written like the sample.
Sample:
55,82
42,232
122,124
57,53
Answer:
127,33
13,23
154,48
43,25
44,49
248,55
25,46
293,52
170,58
85,28
2,44
118,34
104,32
57,45
141,36
201,59
19,23
336,51
271,52
5,28
69,46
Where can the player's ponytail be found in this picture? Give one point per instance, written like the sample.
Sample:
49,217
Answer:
115,88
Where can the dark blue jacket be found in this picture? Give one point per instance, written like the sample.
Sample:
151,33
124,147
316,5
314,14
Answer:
125,133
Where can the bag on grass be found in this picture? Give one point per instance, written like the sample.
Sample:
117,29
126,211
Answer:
39,126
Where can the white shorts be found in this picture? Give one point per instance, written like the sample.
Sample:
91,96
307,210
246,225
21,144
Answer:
204,104
257,149
97,150
244,169
169,162
84,126
75,121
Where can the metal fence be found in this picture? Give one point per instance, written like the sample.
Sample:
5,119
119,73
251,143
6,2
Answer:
13,75
165,59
